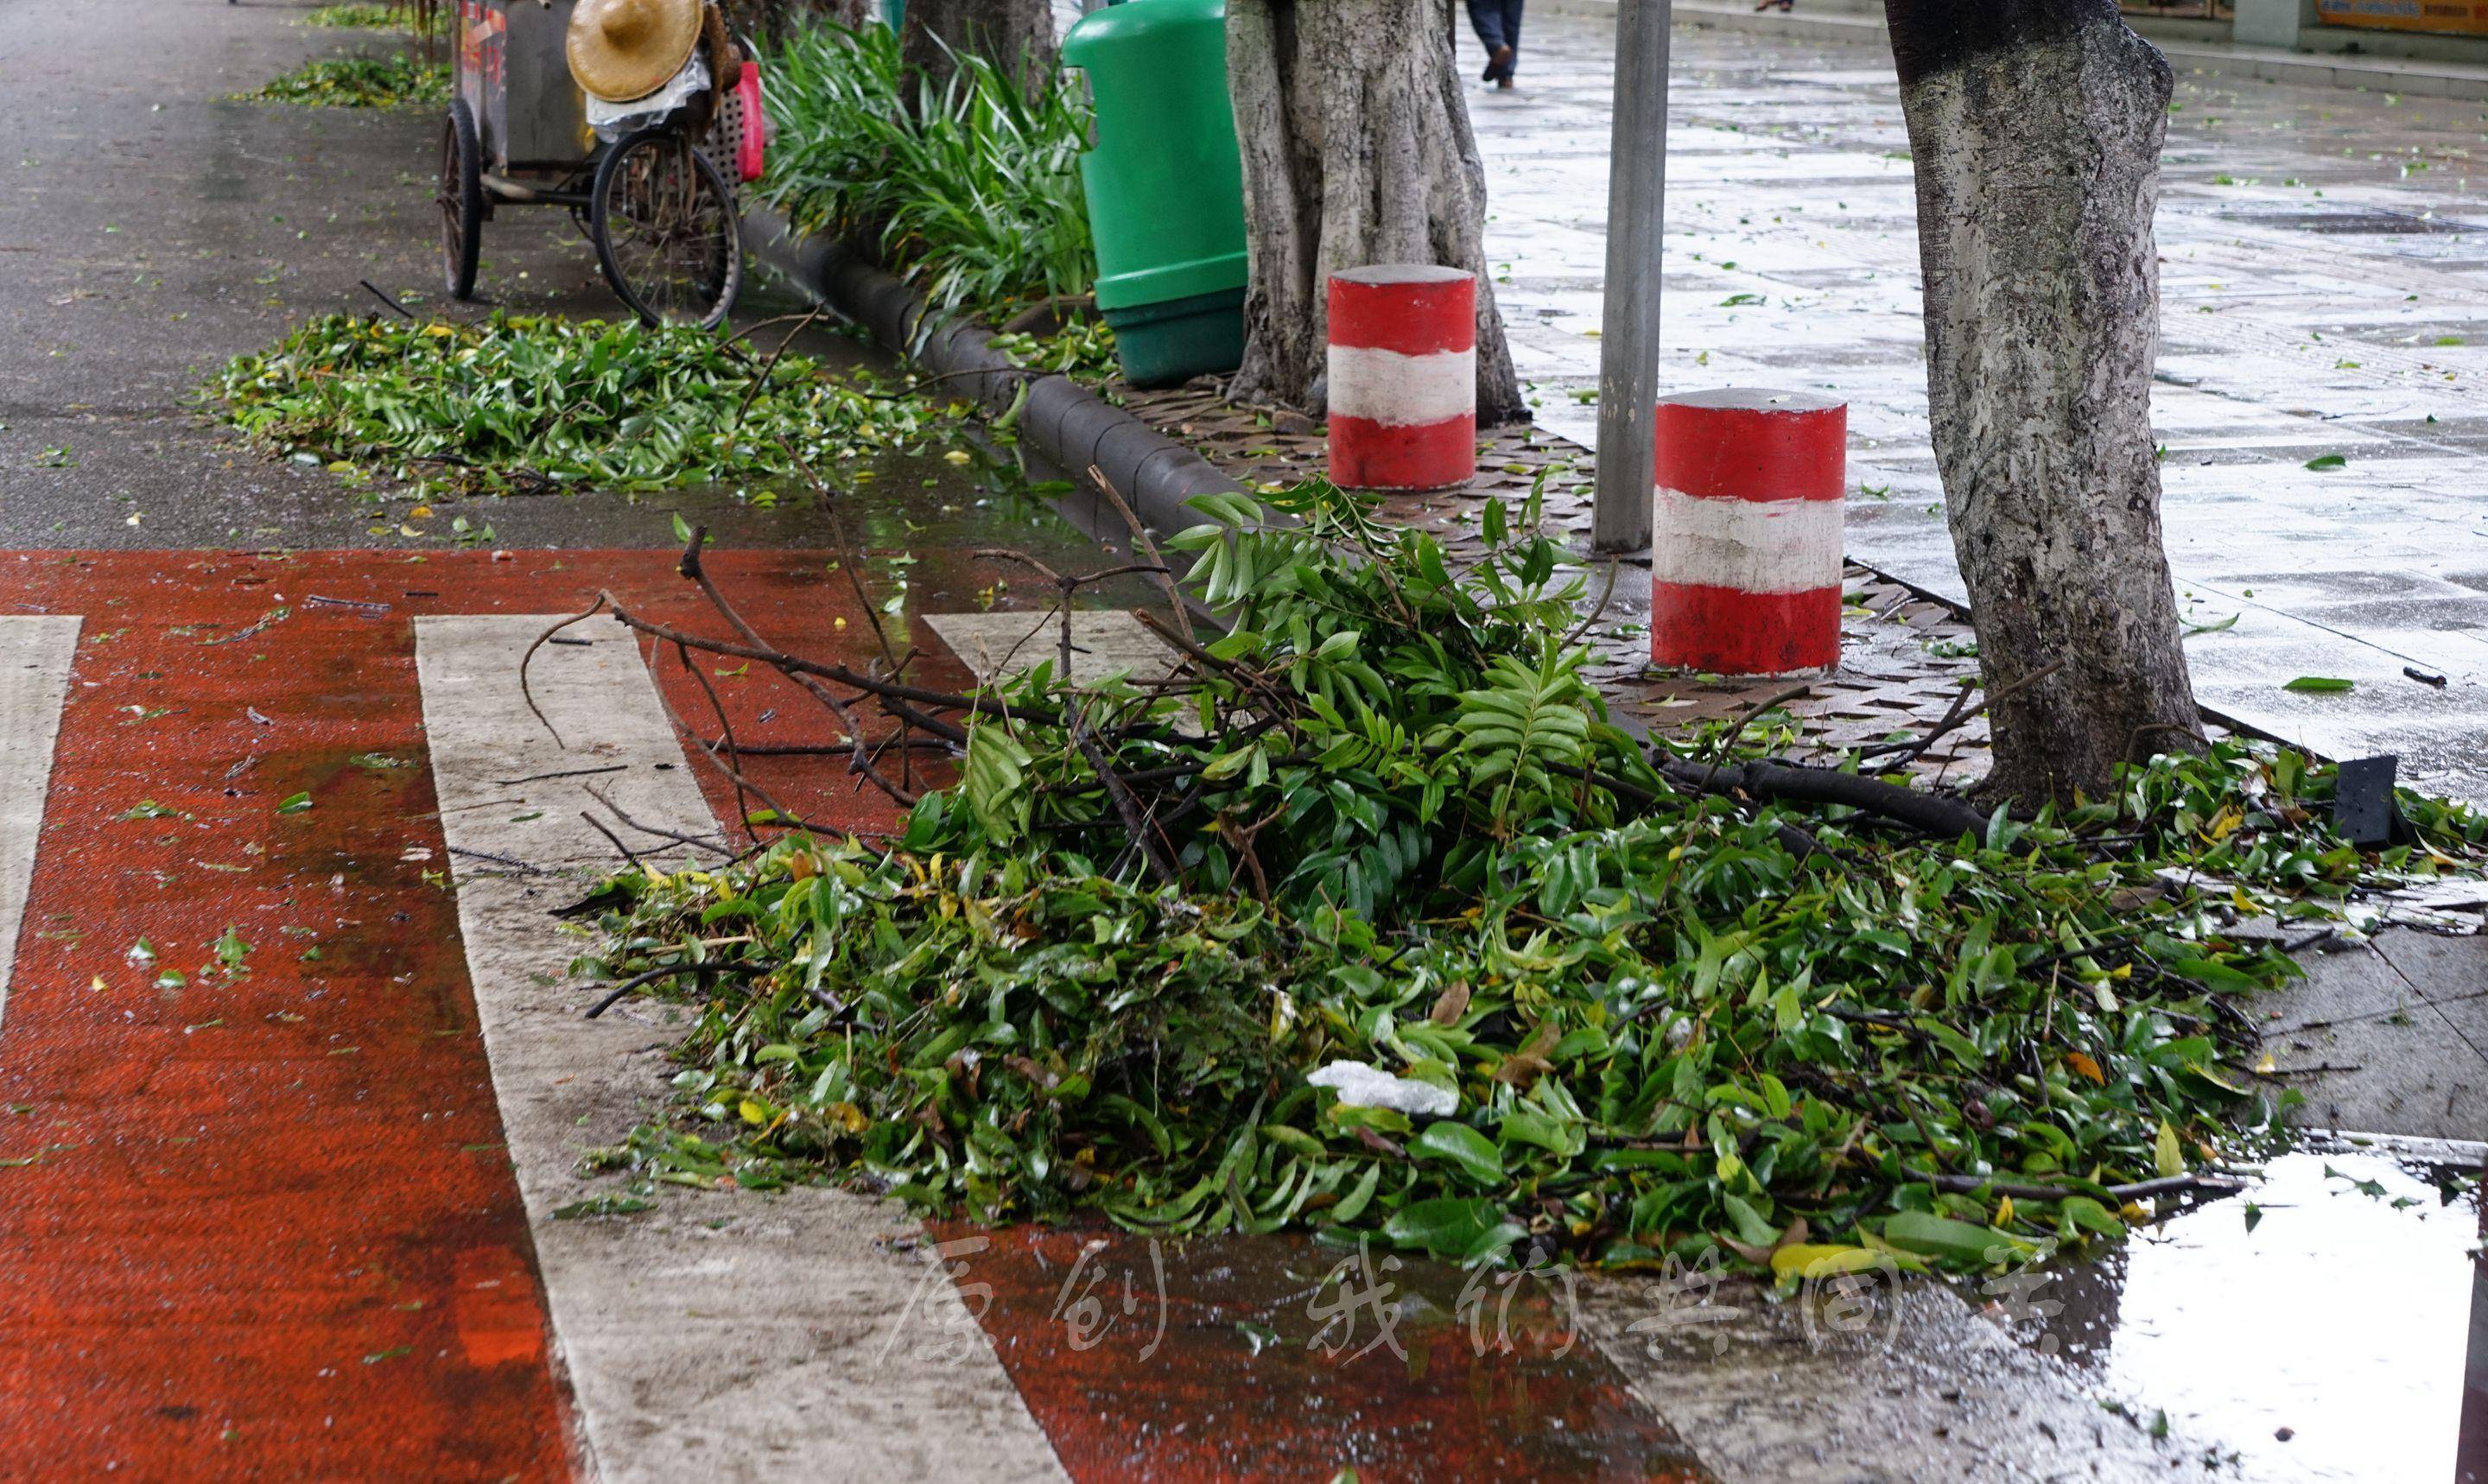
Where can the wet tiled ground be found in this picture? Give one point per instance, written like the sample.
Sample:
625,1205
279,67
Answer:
2323,256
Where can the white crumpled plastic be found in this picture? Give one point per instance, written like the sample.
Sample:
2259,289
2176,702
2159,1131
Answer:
1360,1085
614,121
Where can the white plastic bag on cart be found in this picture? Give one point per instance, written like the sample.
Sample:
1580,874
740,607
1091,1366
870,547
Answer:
614,121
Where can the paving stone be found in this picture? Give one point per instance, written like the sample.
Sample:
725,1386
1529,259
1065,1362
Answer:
2353,984
2409,1073
2442,968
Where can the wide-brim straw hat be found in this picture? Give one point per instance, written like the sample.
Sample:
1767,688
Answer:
622,49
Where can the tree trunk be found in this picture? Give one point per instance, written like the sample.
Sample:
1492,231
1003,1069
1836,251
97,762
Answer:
1017,35
1357,151
2035,127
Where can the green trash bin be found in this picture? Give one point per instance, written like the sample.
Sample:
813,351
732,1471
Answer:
1165,187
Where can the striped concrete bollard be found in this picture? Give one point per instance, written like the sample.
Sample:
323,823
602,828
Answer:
1402,377
1745,573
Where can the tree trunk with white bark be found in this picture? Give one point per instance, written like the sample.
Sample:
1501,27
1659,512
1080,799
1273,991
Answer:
1357,151
2035,127
1017,35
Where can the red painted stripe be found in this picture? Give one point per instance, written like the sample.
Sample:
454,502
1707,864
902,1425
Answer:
1413,318
269,1229
1367,455
1726,631
246,1186
1227,1359
1753,453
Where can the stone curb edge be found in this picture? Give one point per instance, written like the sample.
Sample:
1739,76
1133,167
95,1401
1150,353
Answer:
1065,423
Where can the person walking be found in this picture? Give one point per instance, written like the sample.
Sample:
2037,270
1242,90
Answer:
1498,29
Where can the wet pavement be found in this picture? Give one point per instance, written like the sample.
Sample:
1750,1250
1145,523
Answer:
2317,1325
153,225
2323,295
294,1208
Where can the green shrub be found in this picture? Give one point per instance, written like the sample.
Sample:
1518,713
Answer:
974,195
367,15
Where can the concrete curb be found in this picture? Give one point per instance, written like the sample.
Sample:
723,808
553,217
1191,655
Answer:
1067,424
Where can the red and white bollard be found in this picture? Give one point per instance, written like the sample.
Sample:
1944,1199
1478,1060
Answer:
1402,377
1745,573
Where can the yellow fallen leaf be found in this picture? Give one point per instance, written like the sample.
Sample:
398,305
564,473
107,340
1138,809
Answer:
1821,1259
2088,1068
2168,1156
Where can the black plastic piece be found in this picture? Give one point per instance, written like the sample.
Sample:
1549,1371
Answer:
2363,810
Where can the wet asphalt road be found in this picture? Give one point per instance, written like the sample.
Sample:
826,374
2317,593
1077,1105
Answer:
153,225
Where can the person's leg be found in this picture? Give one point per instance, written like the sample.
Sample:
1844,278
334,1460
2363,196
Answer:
1511,38
1486,16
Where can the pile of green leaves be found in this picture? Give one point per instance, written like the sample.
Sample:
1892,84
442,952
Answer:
972,192
1401,831
370,16
360,82
522,402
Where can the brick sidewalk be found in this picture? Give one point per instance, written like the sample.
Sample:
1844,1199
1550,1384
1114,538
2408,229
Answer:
1904,658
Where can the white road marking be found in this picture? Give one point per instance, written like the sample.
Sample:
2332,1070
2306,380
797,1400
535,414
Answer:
1750,546
1864,1379
1103,641
789,1343
1398,390
34,655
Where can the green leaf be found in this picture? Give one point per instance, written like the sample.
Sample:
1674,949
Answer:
996,781
295,804
1958,1242
2327,461
2168,1158
2091,1216
1448,1226
2321,683
1462,1146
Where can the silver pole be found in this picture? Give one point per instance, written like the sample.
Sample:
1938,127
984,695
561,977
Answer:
1628,337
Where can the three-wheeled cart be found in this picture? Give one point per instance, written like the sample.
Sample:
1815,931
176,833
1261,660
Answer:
642,185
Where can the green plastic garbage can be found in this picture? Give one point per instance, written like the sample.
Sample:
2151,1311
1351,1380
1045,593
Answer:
1165,187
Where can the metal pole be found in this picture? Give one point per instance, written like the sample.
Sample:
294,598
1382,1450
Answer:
1628,337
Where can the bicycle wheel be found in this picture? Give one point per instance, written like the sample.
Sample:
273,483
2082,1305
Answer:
666,231
461,194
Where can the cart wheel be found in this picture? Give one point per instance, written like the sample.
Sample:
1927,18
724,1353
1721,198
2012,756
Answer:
665,233
462,200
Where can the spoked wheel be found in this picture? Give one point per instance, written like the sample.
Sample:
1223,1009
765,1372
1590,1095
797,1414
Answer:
462,200
665,233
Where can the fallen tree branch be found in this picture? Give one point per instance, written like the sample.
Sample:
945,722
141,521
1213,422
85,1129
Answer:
2139,1189
1929,814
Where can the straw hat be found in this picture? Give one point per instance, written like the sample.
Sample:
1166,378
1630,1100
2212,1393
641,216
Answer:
622,49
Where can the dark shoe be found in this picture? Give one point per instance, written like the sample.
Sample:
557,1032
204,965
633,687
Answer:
1497,65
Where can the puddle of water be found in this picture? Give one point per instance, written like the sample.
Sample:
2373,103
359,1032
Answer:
2346,1317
